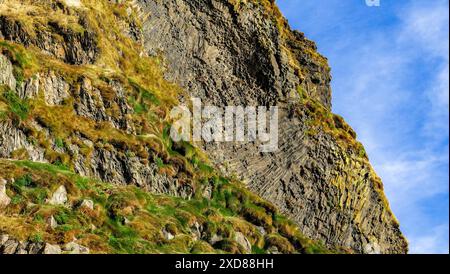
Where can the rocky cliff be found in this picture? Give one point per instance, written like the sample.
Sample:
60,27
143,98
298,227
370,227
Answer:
89,98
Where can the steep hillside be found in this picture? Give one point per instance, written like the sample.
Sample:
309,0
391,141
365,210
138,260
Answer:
84,107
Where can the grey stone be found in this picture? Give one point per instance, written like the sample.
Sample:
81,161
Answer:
6,73
50,249
167,235
30,88
52,222
12,138
196,231
10,247
261,230
273,250
372,248
126,221
4,199
243,242
55,89
73,3
74,248
35,248
89,204
21,251
215,239
59,197
207,192
3,239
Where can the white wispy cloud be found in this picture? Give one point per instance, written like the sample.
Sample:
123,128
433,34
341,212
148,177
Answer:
427,27
431,242
405,126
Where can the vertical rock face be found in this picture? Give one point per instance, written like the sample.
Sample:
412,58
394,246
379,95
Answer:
243,53
227,53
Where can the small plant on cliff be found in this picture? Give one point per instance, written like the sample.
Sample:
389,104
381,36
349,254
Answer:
16,105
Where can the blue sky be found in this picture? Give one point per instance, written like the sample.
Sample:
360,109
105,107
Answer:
390,68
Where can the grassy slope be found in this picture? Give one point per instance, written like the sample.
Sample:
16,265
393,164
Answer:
126,219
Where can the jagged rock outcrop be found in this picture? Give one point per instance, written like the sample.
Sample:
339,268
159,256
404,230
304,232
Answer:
109,164
227,54
13,139
66,44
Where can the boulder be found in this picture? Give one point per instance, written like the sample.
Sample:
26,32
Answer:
4,199
3,239
89,204
10,247
243,242
73,3
74,248
35,248
52,222
59,197
196,231
167,235
273,250
261,230
215,239
51,249
21,251
207,192
126,221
